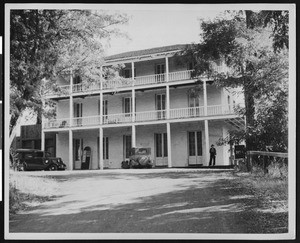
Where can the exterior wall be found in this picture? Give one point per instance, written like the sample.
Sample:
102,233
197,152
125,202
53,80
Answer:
62,109
62,147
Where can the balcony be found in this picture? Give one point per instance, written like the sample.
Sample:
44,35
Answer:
145,116
64,90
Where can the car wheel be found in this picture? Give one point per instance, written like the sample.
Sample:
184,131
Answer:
53,167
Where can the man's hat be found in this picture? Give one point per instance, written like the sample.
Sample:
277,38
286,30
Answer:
212,145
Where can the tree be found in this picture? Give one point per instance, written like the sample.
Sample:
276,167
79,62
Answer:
44,44
258,63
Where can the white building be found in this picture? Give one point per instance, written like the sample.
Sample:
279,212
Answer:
151,108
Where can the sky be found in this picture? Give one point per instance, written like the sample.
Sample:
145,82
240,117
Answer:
158,25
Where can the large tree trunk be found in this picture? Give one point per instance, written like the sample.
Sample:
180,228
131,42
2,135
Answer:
250,111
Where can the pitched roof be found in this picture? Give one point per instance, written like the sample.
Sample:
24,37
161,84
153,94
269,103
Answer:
146,52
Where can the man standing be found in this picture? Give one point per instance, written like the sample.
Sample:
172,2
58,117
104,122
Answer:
213,153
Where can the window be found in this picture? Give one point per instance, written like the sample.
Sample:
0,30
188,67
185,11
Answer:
105,148
39,154
77,79
160,104
28,156
161,145
104,107
78,149
159,71
190,66
126,73
127,104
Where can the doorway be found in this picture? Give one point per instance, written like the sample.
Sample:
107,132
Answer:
77,153
160,106
195,147
161,149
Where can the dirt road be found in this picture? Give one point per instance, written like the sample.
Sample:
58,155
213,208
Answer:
145,201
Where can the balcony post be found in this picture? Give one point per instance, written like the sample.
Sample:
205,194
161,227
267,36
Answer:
167,69
169,145
168,101
70,149
206,133
133,105
101,78
132,73
101,164
71,82
101,107
71,111
71,99
205,98
133,136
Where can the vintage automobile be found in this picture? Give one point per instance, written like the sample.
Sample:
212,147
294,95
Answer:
139,158
34,159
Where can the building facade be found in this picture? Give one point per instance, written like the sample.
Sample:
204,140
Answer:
151,105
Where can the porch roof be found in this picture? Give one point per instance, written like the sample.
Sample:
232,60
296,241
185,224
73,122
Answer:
156,50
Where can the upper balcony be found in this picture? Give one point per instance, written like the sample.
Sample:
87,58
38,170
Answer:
190,113
125,83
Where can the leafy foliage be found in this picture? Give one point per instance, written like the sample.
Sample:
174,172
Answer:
258,63
47,43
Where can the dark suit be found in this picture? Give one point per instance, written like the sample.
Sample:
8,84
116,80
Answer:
213,153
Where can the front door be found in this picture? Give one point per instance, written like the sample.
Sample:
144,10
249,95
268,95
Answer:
78,151
160,105
105,151
161,149
195,147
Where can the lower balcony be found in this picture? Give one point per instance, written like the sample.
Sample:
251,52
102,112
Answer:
179,113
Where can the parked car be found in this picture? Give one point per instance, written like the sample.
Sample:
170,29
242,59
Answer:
34,159
139,158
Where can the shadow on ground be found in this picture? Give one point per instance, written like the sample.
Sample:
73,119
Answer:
150,203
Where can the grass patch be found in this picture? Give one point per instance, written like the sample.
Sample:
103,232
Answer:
272,187
27,190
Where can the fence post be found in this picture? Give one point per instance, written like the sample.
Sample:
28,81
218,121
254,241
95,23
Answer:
265,164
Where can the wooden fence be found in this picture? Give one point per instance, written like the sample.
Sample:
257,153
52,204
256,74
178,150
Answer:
263,159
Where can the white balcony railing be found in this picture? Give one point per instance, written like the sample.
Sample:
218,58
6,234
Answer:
121,83
179,113
57,123
117,118
186,112
150,115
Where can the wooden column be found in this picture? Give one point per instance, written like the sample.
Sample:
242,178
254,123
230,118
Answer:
101,162
70,149
133,135
206,132
101,107
169,145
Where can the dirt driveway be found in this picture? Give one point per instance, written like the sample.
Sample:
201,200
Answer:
146,201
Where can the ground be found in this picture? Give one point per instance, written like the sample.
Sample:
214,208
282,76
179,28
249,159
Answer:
147,201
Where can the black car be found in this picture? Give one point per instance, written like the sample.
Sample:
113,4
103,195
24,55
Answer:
34,159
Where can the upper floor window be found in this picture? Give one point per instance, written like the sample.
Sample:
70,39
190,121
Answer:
127,73
191,66
77,79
